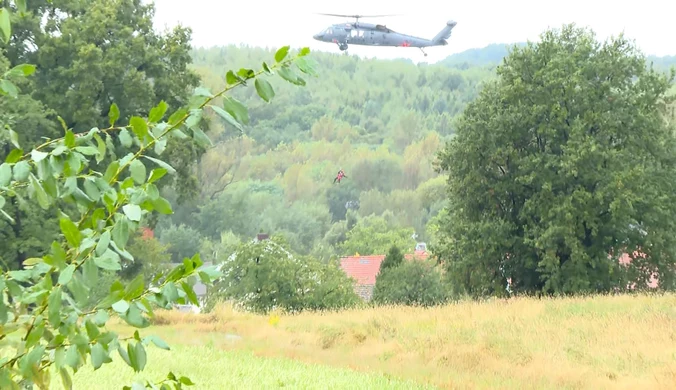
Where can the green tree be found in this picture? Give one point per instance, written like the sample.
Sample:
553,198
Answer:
111,55
43,322
392,259
413,283
374,235
265,275
562,164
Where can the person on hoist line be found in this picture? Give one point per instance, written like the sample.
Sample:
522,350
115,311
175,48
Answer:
341,174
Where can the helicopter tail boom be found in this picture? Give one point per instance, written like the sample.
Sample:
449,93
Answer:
445,33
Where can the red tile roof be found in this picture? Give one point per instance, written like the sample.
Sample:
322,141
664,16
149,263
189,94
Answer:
365,268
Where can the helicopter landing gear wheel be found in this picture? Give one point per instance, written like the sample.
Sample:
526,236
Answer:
423,51
342,46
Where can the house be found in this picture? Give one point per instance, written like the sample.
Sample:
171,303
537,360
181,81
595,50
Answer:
364,269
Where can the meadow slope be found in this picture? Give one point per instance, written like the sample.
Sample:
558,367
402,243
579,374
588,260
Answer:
618,342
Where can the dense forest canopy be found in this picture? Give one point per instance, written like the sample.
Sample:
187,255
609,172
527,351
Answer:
380,121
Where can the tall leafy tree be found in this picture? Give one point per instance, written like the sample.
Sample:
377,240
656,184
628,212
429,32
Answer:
87,56
562,164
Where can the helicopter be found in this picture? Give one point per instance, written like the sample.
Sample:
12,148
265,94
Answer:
367,34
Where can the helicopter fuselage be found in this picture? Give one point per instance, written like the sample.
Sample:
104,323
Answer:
366,34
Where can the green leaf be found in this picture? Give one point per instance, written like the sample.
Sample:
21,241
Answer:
132,211
157,112
103,243
43,198
138,171
109,261
203,91
71,232
162,206
135,318
65,378
177,116
69,138
135,288
31,360
101,317
113,114
190,293
21,170
156,174
287,74
92,330
5,25
22,69
72,357
121,233
59,150
14,138
281,53
232,78
100,148
264,89
228,117
162,164
111,171
14,156
125,138
160,146
2,202
54,303
121,306
9,88
66,275
306,65
235,108
20,5
304,51
140,353
201,138
139,127
5,174
99,356
90,273
87,150
246,73
92,190
158,342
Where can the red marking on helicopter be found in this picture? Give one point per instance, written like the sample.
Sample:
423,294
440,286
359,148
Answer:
334,40
406,44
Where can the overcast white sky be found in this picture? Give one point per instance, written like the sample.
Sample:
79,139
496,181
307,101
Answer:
651,23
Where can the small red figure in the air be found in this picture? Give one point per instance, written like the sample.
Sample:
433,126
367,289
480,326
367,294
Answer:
340,175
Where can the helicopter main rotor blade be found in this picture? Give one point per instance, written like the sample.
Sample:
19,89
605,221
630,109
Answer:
358,16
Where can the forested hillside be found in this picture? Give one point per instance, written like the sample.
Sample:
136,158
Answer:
380,121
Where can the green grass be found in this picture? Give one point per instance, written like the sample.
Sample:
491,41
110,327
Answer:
212,368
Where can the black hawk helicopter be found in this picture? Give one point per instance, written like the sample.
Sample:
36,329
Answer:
367,34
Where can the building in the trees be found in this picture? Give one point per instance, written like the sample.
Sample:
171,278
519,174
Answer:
364,270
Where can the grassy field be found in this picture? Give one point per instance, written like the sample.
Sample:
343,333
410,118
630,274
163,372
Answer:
218,369
619,342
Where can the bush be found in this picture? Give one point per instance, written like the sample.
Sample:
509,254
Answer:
415,282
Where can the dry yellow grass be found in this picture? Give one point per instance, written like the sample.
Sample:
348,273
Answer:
621,342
